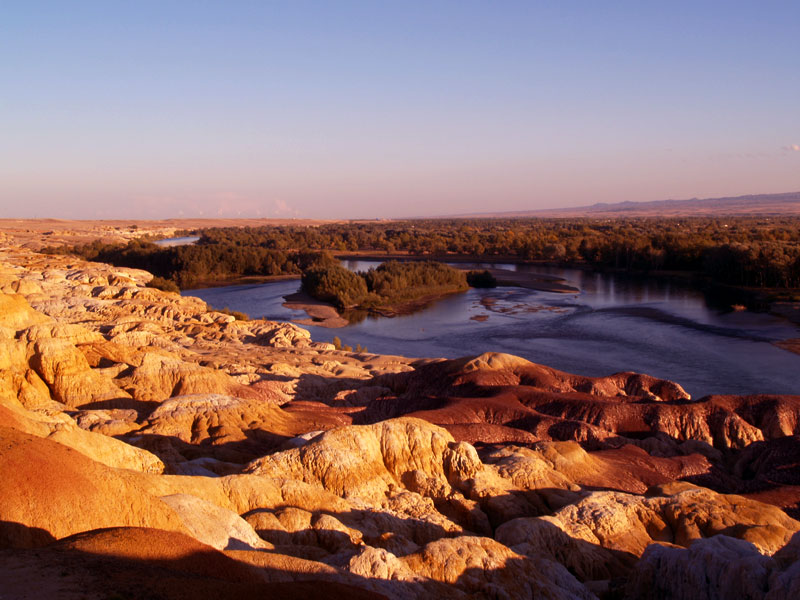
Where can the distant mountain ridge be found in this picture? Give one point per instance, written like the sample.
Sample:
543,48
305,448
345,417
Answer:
749,205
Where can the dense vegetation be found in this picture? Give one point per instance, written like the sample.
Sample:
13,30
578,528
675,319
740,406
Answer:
481,279
188,266
740,251
165,285
387,286
336,285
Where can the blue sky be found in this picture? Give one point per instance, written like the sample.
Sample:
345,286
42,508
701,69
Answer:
384,109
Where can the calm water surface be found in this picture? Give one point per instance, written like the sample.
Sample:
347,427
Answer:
614,324
178,241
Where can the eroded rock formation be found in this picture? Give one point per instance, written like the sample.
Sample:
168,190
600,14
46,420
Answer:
182,453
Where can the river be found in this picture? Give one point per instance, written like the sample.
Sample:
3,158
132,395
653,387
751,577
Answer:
614,324
178,241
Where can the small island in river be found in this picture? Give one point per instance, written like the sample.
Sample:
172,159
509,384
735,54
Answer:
333,296
390,289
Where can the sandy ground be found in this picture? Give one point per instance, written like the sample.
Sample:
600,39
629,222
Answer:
323,314
38,233
791,311
532,281
790,345
320,313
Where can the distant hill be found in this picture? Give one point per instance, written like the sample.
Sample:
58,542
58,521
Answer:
752,205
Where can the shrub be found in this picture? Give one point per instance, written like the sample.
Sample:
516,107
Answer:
334,284
165,285
481,279
395,280
239,316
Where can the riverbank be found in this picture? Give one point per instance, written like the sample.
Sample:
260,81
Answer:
504,277
590,333
247,280
790,311
789,345
759,299
719,295
323,314
531,281
320,314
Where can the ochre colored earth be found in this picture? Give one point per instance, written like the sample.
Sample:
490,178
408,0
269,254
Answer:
153,448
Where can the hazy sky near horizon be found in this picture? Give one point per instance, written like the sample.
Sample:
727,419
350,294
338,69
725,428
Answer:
154,109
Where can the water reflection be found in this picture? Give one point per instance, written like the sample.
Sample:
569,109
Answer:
356,315
614,324
177,241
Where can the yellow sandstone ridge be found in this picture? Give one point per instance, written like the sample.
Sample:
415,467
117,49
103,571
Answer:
148,442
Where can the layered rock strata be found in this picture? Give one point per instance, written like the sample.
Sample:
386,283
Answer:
182,453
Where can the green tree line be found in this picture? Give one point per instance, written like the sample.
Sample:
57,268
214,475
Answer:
188,266
387,285
743,251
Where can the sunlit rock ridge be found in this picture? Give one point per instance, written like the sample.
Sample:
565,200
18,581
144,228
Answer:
151,447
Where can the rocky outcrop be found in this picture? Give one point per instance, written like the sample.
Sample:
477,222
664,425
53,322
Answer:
152,563
223,427
604,534
369,461
62,429
158,377
486,568
717,567
49,489
495,398
19,384
70,379
153,440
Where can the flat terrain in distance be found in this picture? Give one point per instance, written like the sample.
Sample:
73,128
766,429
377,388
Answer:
37,233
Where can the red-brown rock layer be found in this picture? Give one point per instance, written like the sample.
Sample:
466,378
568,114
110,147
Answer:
151,447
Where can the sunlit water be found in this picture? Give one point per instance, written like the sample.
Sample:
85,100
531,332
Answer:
614,324
178,241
